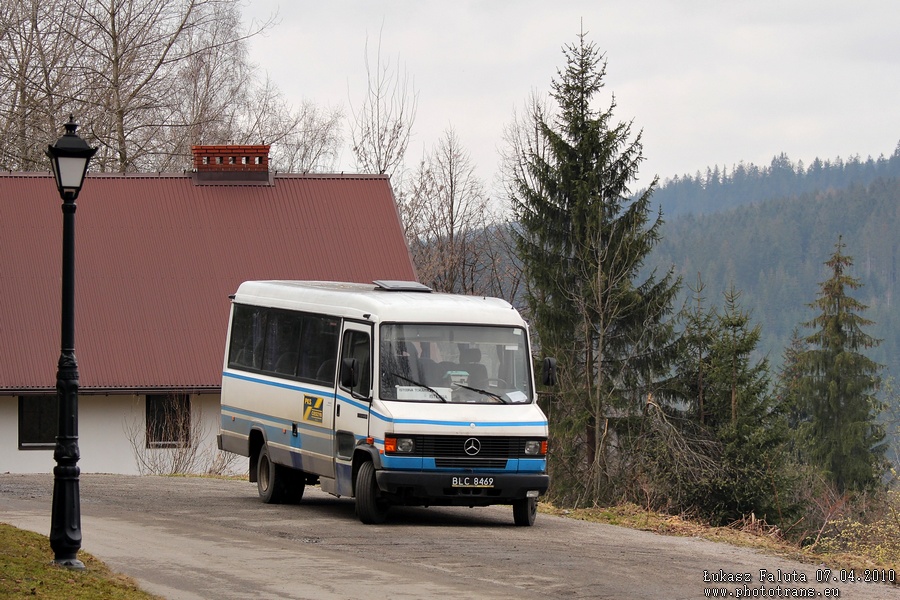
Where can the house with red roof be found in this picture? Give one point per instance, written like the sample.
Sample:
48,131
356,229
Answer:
156,258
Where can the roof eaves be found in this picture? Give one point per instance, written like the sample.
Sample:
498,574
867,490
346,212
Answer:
116,390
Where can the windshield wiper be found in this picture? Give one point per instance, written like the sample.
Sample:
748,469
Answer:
414,382
482,392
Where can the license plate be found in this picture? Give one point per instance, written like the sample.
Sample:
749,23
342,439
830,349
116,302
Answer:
469,481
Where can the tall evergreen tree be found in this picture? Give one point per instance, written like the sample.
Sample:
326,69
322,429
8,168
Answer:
837,383
583,240
746,423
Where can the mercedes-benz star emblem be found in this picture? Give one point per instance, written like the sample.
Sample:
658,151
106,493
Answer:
472,446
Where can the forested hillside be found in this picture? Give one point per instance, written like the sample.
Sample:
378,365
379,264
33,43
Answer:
718,189
774,251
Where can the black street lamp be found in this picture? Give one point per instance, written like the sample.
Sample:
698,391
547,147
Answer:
69,160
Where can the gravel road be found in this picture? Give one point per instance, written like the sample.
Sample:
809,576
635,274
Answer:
198,538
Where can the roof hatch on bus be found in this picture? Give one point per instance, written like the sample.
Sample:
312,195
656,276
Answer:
390,285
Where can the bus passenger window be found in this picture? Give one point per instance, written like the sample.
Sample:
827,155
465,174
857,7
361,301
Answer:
247,333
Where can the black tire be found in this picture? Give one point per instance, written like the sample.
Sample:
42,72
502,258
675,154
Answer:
271,480
525,511
370,507
296,485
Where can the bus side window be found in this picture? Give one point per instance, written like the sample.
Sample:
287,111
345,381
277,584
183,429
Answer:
356,345
282,342
319,342
247,334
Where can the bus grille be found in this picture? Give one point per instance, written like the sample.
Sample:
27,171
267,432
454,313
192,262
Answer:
469,451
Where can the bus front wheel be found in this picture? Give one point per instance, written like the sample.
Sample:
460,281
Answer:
525,511
370,508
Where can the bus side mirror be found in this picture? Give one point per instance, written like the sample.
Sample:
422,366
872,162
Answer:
349,373
548,376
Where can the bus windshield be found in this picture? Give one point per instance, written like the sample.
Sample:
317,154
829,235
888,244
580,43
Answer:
454,363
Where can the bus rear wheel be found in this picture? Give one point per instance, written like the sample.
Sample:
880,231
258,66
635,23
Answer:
296,485
271,480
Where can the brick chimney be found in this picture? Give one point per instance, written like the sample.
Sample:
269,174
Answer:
231,163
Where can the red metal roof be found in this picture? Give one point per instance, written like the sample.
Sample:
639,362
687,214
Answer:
157,257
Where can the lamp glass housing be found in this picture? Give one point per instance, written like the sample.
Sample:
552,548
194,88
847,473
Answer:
69,159
69,172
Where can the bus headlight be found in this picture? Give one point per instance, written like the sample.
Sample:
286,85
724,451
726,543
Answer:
394,445
536,448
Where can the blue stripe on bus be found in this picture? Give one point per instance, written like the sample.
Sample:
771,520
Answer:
426,463
464,423
250,417
278,384
377,415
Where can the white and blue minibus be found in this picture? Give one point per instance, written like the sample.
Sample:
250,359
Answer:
386,392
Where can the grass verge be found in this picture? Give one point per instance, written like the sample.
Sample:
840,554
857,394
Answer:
26,571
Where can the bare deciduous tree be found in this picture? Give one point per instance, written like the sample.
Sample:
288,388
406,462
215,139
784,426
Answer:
448,245
304,140
522,139
146,79
381,128
185,443
131,60
502,275
36,59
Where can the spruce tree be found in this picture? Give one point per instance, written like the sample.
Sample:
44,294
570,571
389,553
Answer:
745,421
738,429
582,241
692,365
737,384
787,389
837,382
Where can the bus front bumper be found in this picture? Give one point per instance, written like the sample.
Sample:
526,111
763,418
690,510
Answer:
463,489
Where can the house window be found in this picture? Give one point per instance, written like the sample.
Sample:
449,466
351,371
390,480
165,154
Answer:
38,422
168,420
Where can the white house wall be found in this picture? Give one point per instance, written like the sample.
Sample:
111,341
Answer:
106,425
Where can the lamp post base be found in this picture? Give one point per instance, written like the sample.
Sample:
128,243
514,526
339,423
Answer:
65,518
70,563
65,521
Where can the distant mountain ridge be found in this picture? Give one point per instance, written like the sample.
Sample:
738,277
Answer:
773,250
720,189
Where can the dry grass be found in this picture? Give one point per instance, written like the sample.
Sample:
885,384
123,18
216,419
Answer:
851,549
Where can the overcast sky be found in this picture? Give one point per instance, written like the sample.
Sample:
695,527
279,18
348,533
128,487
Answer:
709,82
